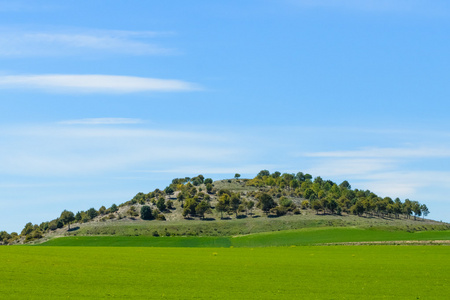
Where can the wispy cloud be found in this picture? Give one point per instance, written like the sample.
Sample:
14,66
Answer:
74,150
102,121
94,83
384,170
30,43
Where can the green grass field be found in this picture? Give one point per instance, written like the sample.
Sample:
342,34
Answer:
300,237
319,272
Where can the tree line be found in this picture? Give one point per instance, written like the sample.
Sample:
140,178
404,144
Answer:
328,197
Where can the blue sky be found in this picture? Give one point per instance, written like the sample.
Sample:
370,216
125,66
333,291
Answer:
101,101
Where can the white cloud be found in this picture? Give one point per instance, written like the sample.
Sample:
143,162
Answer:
385,171
102,121
72,150
94,83
29,43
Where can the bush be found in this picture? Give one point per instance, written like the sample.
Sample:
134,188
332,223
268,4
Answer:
285,202
170,204
279,210
132,212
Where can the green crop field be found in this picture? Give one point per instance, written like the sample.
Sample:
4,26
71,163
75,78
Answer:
306,236
310,272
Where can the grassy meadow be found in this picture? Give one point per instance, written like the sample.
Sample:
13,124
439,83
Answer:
311,272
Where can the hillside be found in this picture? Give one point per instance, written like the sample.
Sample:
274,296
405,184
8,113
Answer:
269,202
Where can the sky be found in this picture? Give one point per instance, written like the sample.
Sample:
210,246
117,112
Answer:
102,100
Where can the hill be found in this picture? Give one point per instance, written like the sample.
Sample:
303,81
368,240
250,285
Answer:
224,208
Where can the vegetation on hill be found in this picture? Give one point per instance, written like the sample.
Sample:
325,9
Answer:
268,195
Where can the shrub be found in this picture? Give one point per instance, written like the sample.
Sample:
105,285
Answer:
285,202
132,212
161,217
279,210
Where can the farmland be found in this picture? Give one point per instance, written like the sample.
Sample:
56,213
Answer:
300,237
318,272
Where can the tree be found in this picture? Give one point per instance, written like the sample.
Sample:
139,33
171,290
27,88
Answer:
425,210
180,198
407,208
202,208
102,210
316,205
358,208
263,173
113,208
209,187
208,180
92,213
78,217
234,203
345,185
27,229
189,207
416,209
332,205
201,177
146,213
52,225
196,181
168,190
237,175
169,204
249,205
309,193
67,217
222,204
161,204
265,202
300,176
